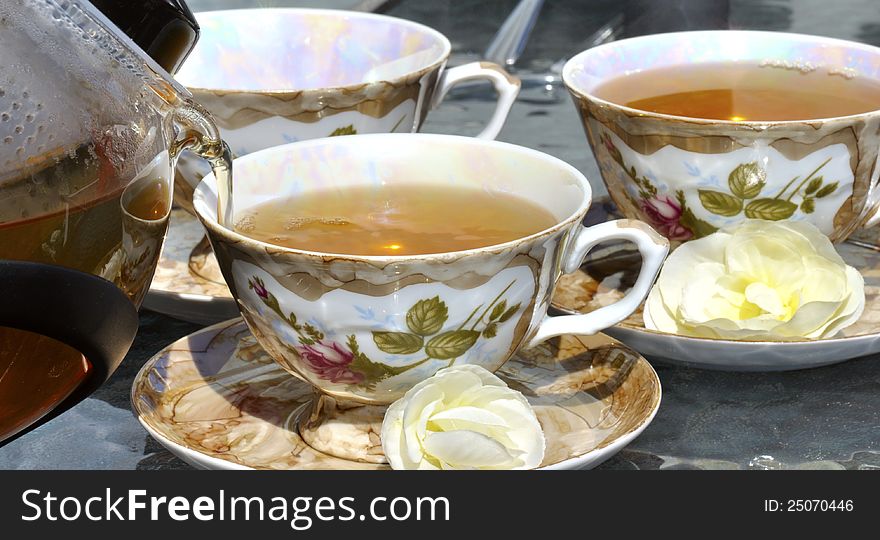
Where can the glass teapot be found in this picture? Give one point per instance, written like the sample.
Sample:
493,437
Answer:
90,130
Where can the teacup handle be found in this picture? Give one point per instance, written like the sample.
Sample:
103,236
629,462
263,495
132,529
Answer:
505,84
650,244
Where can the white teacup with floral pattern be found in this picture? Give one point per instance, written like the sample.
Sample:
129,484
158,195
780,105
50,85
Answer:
368,328
688,177
280,75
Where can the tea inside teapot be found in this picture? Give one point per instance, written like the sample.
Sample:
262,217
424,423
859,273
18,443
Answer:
90,130
77,212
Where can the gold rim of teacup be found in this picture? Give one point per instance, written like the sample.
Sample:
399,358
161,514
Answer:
213,224
348,88
576,62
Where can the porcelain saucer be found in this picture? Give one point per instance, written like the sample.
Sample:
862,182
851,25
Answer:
217,401
187,284
611,270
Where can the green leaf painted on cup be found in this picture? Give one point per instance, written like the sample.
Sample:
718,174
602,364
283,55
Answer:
452,344
498,310
491,330
747,180
313,332
827,190
427,317
697,226
813,186
345,130
808,205
720,203
511,311
770,209
398,342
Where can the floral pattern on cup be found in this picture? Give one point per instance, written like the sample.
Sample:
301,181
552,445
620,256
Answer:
426,337
331,362
668,213
749,192
665,214
351,130
747,181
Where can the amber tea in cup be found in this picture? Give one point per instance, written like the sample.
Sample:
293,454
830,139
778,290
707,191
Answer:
697,131
743,91
407,219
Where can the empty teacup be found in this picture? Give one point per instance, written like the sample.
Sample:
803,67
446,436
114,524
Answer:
694,131
275,76
363,323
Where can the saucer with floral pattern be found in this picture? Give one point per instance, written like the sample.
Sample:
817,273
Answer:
611,270
217,401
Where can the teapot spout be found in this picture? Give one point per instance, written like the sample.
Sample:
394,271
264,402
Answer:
197,132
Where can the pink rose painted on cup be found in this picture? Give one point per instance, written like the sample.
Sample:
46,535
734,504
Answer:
330,362
256,284
667,212
664,213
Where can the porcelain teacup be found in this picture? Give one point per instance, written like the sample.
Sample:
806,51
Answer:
690,176
368,328
275,76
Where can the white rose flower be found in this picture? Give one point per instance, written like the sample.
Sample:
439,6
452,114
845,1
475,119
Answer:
463,417
779,280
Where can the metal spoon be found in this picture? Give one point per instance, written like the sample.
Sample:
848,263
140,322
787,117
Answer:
509,42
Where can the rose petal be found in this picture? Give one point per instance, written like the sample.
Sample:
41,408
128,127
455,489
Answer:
455,384
392,435
486,395
469,450
827,283
486,377
526,435
761,257
698,299
810,320
418,409
657,315
498,423
769,300
852,308
816,240
498,432
451,419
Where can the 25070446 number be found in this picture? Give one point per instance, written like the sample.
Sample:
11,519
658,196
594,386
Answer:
808,505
